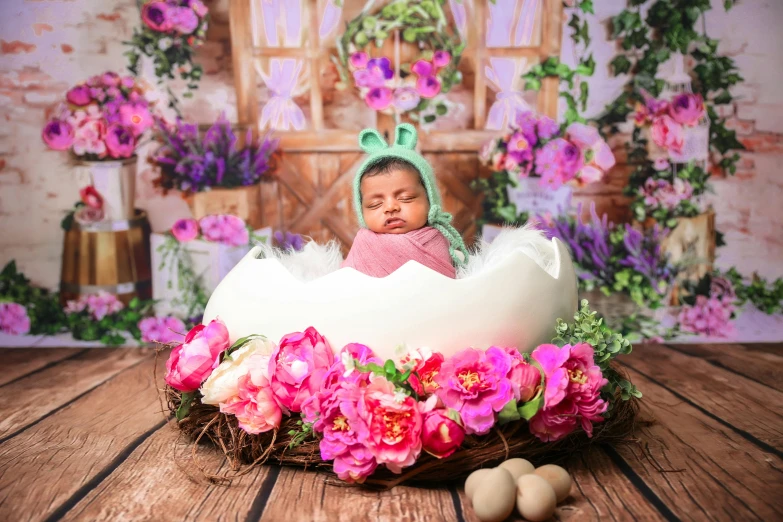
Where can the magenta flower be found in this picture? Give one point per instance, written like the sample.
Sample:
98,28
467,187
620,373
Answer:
185,230
441,435
155,15
110,79
367,78
547,128
379,98
225,228
687,109
381,67
135,116
79,95
474,383
193,361
527,122
519,148
162,330
428,86
58,135
422,68
120,142
405,99
525,378
14,319
572,391
359,60
199,7
183,19
709,316
298,366
441,59
668,134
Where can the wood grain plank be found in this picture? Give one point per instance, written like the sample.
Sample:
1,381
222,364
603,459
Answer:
159,481
44,466
42,393
744,404
600,492
309,496
17,362
700,468
763,367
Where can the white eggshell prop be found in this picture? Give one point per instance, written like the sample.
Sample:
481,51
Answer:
536,500
515,303
518,467
493,500
558,478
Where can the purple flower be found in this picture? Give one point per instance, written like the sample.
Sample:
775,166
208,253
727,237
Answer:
185,230
406,99
428,86
289,241
520,148
359,60
441,59
155,15
120,142
366,78
184,20
547,128
422,68
379,98
79,95
14,319
381,65
58,135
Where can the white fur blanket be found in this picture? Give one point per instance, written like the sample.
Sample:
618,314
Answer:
317,260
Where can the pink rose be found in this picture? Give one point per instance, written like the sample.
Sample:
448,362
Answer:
255,407
525,378
79,95
572,391
120,142
185,230
193,361
89,134
162,330
88,215
91,197
668,134
298,366
14,319
474,383
58,135
687,109
183,19
394,423
441,435
156,16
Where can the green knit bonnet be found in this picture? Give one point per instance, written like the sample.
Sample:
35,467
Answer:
404,148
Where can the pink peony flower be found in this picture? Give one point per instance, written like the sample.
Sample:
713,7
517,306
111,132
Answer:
58,135
379,98
14,319
199,7
572,391
183,19
162,330
525,378
135,116
687,109
225,228
185,230
474,383
359,60
441,59
405,99
192,362
425,365
394,423
110,79
120,142
441,435
255,407
428,86
298,366
79,95
156,16
89,135
91,197
668,134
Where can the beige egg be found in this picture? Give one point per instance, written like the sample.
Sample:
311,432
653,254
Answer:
536,500
518,467
493,499
558,478
473,480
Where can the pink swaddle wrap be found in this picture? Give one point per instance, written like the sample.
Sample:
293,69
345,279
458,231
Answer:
379,255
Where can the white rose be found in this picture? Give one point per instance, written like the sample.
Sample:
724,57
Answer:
223,383
164,43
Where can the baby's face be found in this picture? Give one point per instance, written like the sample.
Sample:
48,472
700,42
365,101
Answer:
394,203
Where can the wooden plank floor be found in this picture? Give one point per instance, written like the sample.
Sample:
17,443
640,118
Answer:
83,437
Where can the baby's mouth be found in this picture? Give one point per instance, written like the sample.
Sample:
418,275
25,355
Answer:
394,222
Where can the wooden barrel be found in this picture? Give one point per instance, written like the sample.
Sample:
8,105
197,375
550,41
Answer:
109,256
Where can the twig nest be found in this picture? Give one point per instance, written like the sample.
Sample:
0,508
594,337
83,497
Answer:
536,500
518,467
558,478
473,481
493,499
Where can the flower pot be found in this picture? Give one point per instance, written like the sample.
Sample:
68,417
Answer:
115,180
529,196
244,202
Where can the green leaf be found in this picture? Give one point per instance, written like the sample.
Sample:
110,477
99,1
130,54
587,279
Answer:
529,409
509,413
389,367
184,405
620,65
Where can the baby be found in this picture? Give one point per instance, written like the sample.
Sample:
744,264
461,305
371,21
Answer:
398,206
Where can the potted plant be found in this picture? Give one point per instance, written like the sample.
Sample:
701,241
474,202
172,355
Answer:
215,175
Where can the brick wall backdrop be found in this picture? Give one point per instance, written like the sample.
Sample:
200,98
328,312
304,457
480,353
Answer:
46,46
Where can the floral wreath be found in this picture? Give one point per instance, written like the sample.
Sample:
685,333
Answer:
417,88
